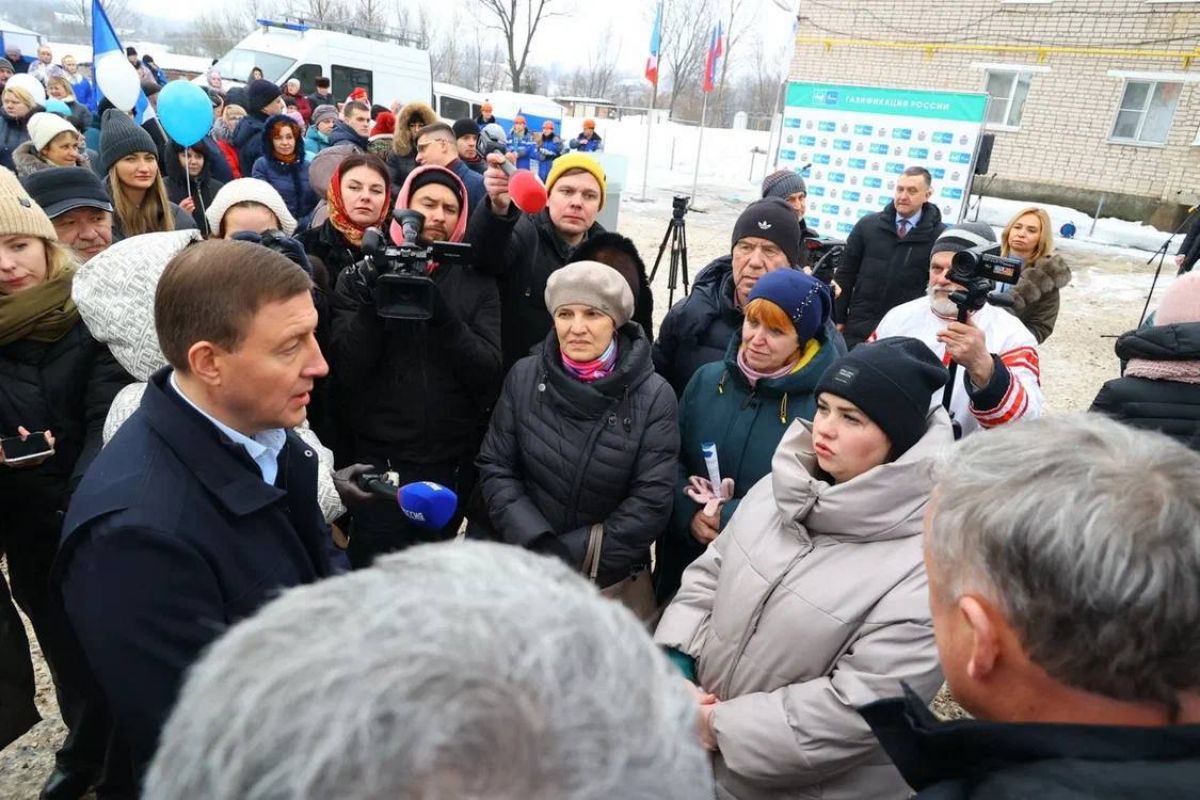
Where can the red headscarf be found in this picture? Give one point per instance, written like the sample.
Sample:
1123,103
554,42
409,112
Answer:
337,209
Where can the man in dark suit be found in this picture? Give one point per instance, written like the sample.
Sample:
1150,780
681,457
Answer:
886,260
204,504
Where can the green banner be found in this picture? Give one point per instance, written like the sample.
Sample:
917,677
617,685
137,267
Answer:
950,106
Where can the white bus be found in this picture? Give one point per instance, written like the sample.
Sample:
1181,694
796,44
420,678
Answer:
385,66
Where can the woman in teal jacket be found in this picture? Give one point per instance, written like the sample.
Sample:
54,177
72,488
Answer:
744,405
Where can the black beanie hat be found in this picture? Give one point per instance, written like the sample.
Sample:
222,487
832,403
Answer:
439,175
618,252
892,380
260,94
774,220
465,127
121,136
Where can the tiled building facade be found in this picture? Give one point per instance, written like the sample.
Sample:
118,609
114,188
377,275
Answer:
1088,97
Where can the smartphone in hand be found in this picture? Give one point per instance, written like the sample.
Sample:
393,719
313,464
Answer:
18,450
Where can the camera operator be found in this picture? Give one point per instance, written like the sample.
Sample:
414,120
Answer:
522,250
1000,379
413,394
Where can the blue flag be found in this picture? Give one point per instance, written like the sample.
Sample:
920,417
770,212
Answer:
104,40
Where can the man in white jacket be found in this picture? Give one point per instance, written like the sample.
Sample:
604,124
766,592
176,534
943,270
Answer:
999,378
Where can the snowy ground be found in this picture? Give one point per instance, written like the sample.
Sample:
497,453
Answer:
1105,298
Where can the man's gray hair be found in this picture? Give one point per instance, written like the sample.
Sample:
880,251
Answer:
1086,533
446,672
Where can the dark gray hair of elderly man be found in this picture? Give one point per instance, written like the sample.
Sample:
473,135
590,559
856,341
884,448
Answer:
447,672
1064,573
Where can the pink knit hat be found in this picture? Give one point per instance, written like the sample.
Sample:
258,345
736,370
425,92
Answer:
1181,303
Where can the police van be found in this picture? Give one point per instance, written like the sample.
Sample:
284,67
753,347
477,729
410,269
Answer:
388,67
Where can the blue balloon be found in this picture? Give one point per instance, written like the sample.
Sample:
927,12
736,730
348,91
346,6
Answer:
185,112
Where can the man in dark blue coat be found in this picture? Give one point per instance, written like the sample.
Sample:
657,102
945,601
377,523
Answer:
204,505
437,145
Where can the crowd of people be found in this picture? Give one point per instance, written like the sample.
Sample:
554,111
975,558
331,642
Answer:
213,349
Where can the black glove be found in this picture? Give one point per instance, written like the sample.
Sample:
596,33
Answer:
346,483
363,278
281,243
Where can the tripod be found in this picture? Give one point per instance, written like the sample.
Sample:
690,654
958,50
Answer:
676,235
1161,255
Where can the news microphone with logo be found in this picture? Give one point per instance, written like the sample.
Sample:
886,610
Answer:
427,504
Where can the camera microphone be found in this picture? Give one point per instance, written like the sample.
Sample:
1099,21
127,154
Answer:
410,222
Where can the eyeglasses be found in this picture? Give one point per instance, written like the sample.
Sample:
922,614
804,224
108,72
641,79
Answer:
423,146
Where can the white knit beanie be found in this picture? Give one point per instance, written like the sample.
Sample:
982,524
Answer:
250,190
43,127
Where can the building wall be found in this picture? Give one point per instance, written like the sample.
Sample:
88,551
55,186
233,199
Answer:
1062,151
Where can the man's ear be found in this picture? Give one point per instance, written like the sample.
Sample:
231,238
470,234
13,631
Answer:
979,616
204,362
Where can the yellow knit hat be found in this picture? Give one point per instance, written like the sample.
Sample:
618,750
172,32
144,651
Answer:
571,161
19,214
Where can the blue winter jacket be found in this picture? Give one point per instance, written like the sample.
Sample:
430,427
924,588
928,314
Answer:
523,146
248,141
587,145
85,91
290,180
13,133
549,150
314,142
476,193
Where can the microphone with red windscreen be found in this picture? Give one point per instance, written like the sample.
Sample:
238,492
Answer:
526,191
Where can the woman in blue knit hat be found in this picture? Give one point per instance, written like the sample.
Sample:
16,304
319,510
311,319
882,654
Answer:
743,405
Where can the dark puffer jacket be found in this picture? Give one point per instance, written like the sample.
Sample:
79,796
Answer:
746,423
1035,297
247,140
698,328
65,387
520,250
290,180
562,455
415,390
1172,407
879,270
342,133
13,133
203,187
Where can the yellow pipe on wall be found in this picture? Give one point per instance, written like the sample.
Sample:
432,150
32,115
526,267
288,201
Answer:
1042,51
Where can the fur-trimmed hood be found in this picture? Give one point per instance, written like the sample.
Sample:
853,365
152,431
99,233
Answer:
27,160
1038,279
403,143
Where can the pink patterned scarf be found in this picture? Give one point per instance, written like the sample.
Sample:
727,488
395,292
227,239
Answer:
588,371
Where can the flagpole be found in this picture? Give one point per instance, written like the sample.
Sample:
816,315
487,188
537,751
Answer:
649,125
699,147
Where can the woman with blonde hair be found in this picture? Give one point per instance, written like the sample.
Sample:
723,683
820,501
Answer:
59,87
17,105
1029,236
129,160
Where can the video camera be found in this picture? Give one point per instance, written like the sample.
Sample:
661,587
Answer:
679,206
404,289
978,270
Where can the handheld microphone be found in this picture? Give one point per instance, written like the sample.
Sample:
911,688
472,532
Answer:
526,191
427,504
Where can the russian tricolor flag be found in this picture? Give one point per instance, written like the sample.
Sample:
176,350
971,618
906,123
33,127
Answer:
105,44
716,49
655,42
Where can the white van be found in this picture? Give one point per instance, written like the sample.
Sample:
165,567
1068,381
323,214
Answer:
455,102
352,58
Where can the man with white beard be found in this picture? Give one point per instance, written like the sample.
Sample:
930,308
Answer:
999,379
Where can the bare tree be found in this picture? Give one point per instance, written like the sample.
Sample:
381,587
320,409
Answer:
685,30
517,21
120,12
601,69
322,10
733,34
417,28
369,14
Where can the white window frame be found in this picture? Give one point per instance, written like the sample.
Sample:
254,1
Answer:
1154,80
1016,72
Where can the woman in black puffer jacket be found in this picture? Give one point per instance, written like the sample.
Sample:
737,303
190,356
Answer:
1160,387
585,433
54,377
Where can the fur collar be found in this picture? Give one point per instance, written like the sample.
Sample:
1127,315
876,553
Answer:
1046,274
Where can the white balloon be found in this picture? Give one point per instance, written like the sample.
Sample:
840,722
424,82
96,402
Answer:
117,79
29,84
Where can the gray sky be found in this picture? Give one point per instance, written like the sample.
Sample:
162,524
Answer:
560,40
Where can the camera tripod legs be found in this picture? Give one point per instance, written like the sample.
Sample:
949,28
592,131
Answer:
676,238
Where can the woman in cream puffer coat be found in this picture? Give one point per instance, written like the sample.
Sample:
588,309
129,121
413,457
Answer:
810,603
